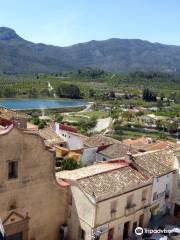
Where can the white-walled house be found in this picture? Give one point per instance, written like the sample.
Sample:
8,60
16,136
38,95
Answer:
69,134
161,166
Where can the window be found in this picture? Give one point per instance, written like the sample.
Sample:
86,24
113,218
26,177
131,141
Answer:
141,220
113,207
155,196
12,169
111,234
129,201
82,234
144,194
70,200
126,230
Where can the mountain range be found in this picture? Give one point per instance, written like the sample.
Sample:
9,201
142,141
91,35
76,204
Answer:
18,55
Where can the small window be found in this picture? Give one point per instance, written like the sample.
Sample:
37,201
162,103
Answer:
113,207
129,201
155,196
82,234
144,194
12,169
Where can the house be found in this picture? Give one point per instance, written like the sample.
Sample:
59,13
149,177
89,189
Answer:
144,144
94,144
107,148
5,125
63,152
73,139
108,199
32,204
161,166
19,119
114,151
50,137
151,119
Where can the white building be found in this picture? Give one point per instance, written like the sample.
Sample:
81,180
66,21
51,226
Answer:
69,134
161,166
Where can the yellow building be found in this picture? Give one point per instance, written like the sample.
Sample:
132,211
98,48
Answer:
109,199
62,152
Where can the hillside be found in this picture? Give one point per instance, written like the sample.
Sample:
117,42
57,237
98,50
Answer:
121,55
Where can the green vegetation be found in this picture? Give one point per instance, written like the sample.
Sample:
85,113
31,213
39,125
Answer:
40,123
114,95
58,117
67,164
85,125
68,91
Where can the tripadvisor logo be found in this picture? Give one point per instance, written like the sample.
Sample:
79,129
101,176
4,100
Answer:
139,231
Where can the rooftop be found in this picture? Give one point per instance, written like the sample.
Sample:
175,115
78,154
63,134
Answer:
90,170
117,150
47,133
149,144
156,163
99,140
9,114
67,128
104,180
108,184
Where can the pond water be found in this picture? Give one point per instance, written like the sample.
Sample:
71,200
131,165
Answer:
20,104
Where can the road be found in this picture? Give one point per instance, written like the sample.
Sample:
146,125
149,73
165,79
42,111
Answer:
102,124
50,88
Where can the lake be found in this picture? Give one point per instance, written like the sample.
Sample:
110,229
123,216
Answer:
23,104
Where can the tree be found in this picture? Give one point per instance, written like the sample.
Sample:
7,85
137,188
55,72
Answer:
58,117
128,115
172,127
69,164
87,124
33,93
148,95
160,104
9,92
114,113
45,92
91,92
68,91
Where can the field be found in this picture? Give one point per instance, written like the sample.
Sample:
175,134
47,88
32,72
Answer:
111,93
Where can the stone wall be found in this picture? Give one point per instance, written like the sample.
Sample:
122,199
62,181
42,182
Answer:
33,201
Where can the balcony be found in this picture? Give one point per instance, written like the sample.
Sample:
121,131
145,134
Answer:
130,209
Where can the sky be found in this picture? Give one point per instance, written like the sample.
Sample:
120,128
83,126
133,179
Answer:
67,22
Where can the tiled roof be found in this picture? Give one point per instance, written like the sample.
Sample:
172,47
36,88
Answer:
148,144
50,137
117,150
118,181
67,128
99,140
9,114
156,163
90,170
